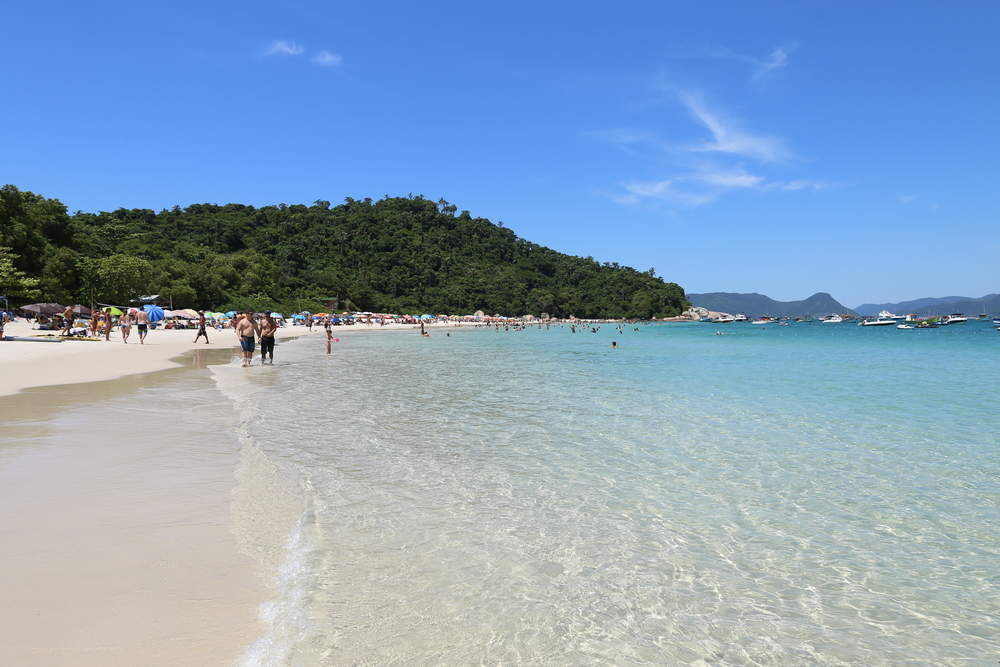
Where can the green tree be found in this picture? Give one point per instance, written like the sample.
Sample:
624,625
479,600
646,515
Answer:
14,282
122,278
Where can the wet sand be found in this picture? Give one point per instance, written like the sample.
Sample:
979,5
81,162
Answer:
117,527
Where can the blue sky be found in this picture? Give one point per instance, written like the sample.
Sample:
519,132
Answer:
784,148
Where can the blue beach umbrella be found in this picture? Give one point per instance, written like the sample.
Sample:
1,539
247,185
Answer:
298,317
231,313
155,312
427,317
277,316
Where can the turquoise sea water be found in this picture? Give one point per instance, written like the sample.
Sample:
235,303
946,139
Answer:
811,494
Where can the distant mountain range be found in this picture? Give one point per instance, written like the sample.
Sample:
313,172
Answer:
756,305
943,305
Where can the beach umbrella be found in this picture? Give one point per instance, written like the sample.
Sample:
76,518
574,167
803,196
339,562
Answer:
277,316
155,312
81,310
190,313
44,308
113,310
230,313
298,317
426,317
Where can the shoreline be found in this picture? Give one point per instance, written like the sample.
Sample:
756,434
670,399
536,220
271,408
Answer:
121,542
42,364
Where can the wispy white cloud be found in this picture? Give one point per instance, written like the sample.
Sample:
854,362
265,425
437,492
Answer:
760,68
728,137
905,199
736,178
705,185
666,190
795,186
777,59
283,47
327,59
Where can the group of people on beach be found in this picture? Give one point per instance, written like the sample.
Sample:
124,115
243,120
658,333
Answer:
248,330
104,322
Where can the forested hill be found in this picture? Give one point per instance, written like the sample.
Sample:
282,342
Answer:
396,255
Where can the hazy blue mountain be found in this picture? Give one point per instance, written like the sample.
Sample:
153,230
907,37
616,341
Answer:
755,305
936,305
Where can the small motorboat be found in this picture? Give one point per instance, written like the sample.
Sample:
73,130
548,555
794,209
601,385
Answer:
956,318
904,326
833,319
876,323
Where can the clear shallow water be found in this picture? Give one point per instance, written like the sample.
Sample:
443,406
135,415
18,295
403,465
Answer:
777,495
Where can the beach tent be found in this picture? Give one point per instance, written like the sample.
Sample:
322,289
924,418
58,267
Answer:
155,312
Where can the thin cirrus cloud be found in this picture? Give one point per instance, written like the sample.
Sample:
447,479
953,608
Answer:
697,188
284,47
760,68
326,59
728,137
711,168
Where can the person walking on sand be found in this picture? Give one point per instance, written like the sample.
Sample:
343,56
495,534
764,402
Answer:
201,327
67,320
267,329
246,331
125,325
142,324
107,326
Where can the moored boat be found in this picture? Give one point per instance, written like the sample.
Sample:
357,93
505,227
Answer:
876,323
832,319
955,318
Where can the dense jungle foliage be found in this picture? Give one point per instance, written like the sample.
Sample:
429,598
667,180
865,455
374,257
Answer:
394,255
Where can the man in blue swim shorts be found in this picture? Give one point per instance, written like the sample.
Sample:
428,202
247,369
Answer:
246,332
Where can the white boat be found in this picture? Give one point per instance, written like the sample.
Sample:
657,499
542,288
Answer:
904,326
886,315
724,319
764,320
876,323
956,318
832,319
741,318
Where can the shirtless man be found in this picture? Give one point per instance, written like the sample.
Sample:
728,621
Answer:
67,320
245,332
201,327
142,324
267,329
